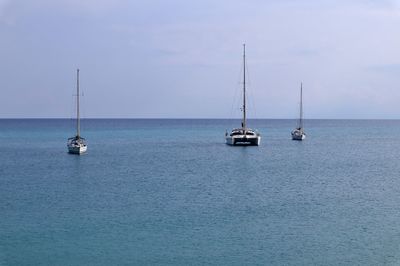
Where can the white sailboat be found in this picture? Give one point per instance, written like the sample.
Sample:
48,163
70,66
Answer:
243,135
77,144
298,133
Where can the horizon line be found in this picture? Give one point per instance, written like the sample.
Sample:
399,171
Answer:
185,118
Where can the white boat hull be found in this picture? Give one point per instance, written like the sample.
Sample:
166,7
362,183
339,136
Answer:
243,140
77,149
76,145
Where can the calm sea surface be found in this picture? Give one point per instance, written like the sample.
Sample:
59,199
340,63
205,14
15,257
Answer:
170,192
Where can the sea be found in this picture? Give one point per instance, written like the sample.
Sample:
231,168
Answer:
170,192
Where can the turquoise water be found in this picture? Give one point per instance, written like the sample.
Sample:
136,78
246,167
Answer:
170,192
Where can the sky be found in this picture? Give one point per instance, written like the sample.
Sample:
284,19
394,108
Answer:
182,59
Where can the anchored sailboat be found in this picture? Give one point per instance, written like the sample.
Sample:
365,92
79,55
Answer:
77,144
298,133
243,135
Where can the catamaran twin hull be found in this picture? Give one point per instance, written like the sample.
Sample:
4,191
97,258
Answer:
243,140
243,135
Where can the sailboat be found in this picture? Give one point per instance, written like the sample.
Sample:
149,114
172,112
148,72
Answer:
298,133
77,144
243,135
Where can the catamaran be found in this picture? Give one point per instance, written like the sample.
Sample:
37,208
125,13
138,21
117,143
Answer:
77,144
243,135
298,133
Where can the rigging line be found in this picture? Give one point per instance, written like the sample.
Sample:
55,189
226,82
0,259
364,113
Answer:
248,78
301,106
297,112
81,99
236,100
250,92
82,107
71,112
73,104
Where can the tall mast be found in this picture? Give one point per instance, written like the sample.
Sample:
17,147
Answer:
301,105
78,124
244,86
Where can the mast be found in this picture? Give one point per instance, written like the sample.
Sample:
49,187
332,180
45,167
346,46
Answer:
78,124
244,87
301,106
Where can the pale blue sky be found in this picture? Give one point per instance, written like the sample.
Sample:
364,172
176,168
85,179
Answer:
181,59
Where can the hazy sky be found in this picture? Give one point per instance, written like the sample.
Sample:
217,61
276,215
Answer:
182,58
